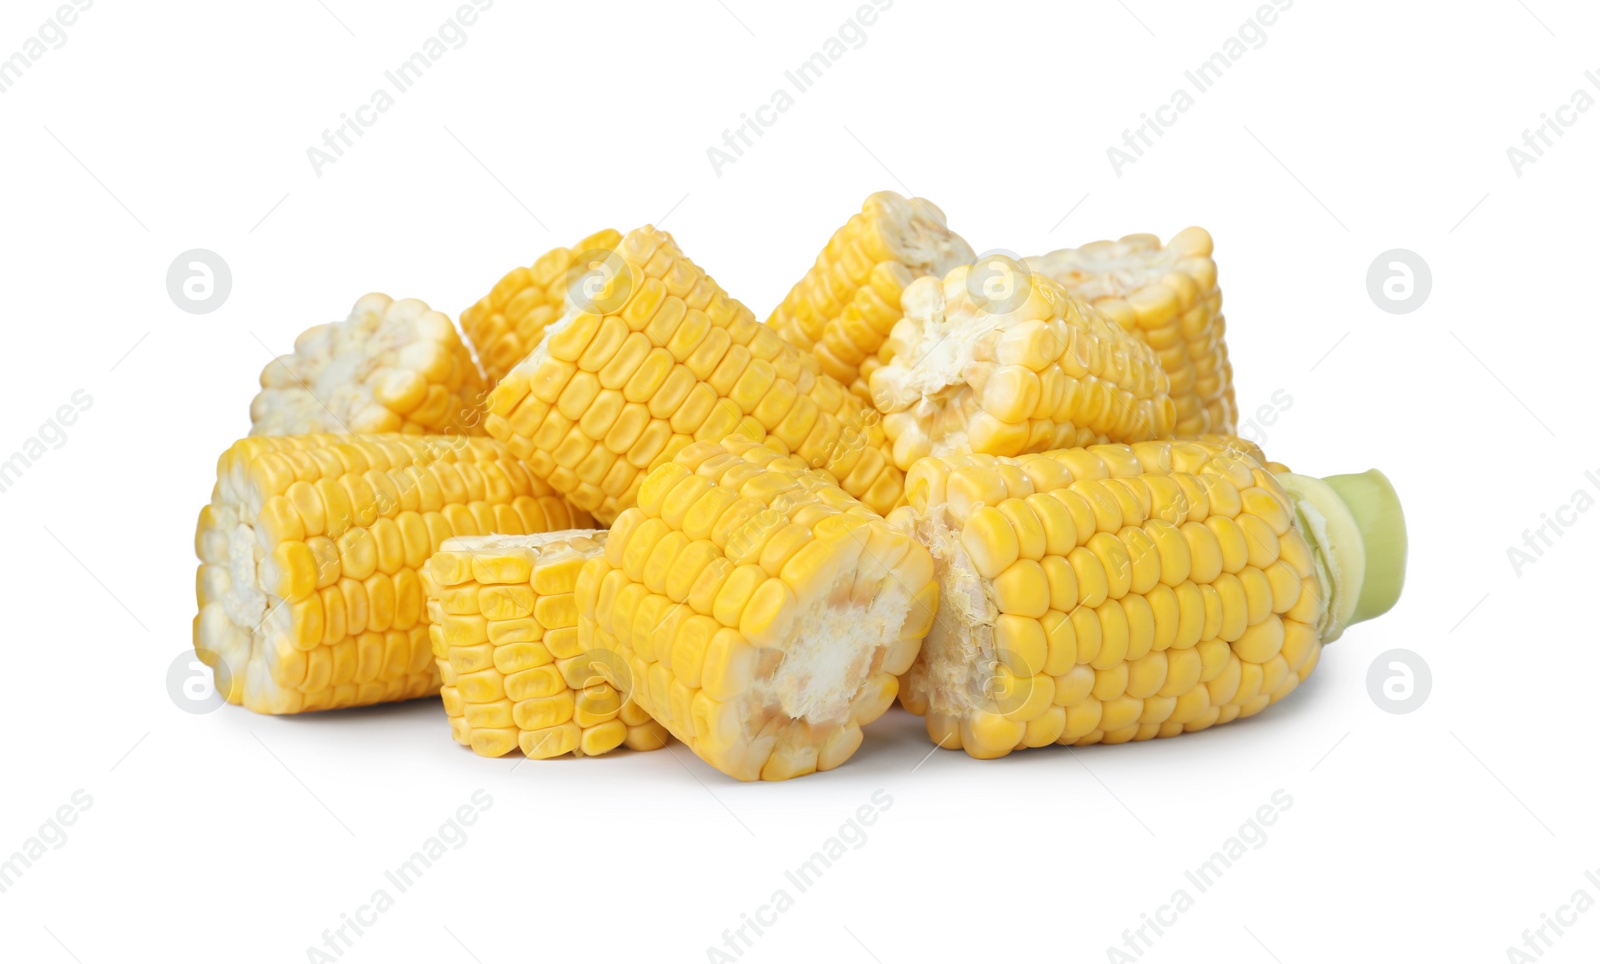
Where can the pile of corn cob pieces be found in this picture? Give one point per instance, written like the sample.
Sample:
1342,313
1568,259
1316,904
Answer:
1004,491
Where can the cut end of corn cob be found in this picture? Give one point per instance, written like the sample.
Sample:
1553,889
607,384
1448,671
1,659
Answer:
1358,533
507,322
392,366
1168,297
844,308
309,556
762,613
657,356
1107,594
994,359
516,673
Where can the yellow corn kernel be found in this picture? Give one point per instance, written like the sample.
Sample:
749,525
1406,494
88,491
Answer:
842,311
507,322
551,697
338,618
805,607
1166,296
992,359
739,379
392,366
1126,609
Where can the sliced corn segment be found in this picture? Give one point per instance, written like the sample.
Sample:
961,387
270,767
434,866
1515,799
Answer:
762,614
392,366
995,360
504,628
657,356
844,308
1168,297
310,549
1116,592
507,322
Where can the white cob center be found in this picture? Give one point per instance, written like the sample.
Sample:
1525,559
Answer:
825,665
916,229
958,655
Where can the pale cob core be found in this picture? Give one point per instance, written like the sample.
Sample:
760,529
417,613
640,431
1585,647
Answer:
310,550
844,308
662,357
1107,594
392,366
1168,297
507,322
1023,369
515,672
762,613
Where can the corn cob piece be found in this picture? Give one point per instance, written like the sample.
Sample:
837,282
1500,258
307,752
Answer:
659,357
309,554
505,637
761,612
1168,297
994,360
844,308
507,322
1115,592
392,366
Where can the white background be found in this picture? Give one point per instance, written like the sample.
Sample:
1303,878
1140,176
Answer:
1356,128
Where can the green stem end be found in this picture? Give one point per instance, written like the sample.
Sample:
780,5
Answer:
1358,532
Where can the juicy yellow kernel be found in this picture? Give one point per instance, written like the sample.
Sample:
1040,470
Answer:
1300,644
1021,644
1261,642
1023,589
735,594
1285,585
990,541
1232,542
1110,683
1261,542
768,618
1063,582
1094,584
1115,561
1114,638
1235,607
1030,534
1141,625
1102,503
1257,594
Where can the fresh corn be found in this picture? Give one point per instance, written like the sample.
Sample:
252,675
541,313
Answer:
392,366
505,637
309,553
1168,297
1115,592
507,322
761,612
843,309
657,356
995,360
